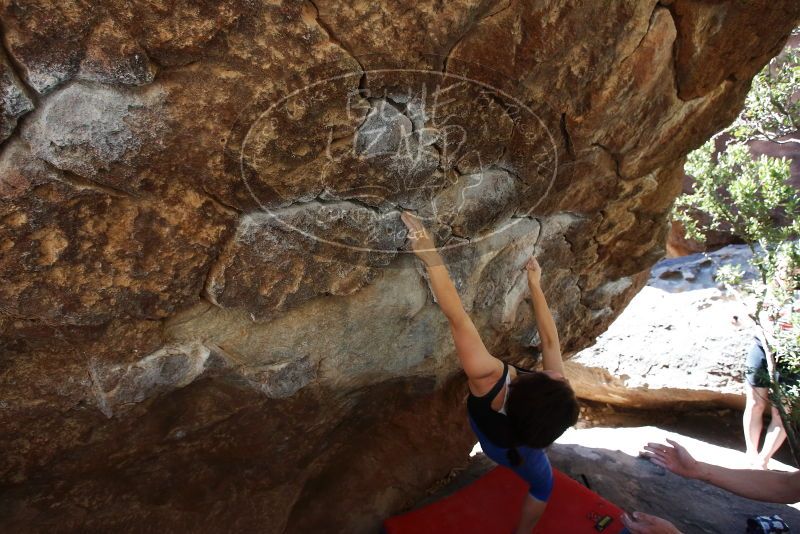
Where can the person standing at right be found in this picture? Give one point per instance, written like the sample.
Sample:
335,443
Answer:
757,378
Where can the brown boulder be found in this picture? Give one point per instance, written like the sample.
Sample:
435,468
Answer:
15,100
76,254
272,264
209,319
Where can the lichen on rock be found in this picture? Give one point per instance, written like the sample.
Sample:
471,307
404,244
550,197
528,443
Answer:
281,259
98,133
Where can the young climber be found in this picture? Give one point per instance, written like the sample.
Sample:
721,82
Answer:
514,412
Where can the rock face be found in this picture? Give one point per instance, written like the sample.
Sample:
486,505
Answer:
209,318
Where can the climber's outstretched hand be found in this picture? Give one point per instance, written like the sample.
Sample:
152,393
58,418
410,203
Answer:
534,271
421,240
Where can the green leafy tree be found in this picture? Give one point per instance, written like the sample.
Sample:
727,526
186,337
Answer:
751,197
772,107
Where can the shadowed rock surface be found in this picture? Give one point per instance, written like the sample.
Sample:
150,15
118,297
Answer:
208,318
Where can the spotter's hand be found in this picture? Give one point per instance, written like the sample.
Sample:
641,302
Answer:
639,523
674,457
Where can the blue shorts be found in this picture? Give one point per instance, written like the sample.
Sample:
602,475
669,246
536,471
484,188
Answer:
535,468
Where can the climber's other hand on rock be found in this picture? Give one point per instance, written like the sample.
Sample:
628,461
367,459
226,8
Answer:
421,241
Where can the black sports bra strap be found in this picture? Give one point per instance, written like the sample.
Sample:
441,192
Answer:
497,387
521,370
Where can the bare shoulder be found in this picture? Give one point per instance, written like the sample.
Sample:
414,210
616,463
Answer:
480,386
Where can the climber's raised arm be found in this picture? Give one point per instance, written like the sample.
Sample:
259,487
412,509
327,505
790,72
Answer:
481,368
548,334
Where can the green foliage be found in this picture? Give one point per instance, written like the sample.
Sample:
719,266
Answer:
734,191
730,275
739,193
772,109
787,359
789,342
749,196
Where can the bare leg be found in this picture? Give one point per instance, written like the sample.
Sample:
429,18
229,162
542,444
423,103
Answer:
532,510
752,420
774,438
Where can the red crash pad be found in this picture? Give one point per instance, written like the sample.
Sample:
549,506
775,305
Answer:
492,503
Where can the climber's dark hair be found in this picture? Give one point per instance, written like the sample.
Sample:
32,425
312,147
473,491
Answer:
539,408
